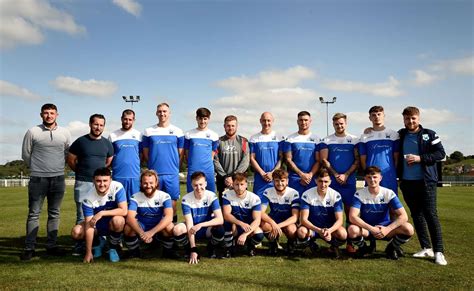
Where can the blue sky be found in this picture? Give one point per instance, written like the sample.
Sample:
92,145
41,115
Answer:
237,57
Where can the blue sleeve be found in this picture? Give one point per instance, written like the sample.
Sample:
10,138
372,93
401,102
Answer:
120,196
321,146
338,205
304,204
145,142
295,203
396,145
186,209
225,201
186,144
215,145
133,205
87,210
286,146
257,207
252,147
215,205
180,142
356,203
167,203
265,200
395,203
362,149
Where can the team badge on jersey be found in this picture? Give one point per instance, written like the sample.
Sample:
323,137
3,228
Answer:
208,135
110,198
157,202
425,137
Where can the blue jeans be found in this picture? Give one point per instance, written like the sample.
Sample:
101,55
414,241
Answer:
38,188
81,188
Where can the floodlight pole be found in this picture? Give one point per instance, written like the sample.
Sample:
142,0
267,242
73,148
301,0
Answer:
131,99
321,99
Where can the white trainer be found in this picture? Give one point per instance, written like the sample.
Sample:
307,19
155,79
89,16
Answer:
440,259
424,253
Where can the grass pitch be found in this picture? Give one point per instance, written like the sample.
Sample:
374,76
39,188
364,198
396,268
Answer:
456,205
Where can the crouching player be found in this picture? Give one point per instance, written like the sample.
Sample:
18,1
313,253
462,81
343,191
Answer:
105,208
321,215
203,219
370,217
150,216
242,215
284,205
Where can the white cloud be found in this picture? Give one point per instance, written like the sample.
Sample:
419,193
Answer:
277,91
462,66
423,78
131,6
90,87
8,89
390,88
23,22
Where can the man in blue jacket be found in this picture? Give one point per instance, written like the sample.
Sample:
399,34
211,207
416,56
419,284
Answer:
420,150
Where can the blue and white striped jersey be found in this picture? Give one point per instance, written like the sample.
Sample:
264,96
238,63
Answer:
200,210
266,148
93,202
303,149
281,205
322,211
242,208
374,209
150,210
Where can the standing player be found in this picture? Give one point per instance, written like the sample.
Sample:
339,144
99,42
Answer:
379,147
302,154
105,208
321,215
44,149
265,154
203,219
421,149
150,216
370,217
163,150
284,205
339,154
200,146
242,215
126,162
232,157
86,154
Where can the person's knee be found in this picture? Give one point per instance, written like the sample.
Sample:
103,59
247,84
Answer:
353,231
341,233
408,229
77,232
290,231
117,223
179,229
302,232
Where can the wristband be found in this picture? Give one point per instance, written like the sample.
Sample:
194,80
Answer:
193,250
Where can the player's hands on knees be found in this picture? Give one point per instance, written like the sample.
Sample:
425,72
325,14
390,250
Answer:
195,229
88,258
377,232
241,240
193,258
147,237
276,230
246,227
95,218
326,235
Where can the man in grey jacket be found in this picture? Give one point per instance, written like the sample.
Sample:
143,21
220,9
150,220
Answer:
232,157
44,150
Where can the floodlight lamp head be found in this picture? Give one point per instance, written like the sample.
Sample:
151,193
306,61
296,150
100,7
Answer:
334,99
124,98
138,98
321,99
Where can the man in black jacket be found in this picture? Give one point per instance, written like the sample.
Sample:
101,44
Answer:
420,150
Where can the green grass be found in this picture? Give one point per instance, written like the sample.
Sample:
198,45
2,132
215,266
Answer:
455,209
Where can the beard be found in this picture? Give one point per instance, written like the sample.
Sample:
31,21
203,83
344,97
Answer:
143,190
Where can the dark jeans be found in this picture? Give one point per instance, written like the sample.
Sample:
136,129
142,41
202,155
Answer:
421,199
38,188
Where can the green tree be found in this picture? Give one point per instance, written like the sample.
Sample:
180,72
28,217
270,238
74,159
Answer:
456,156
